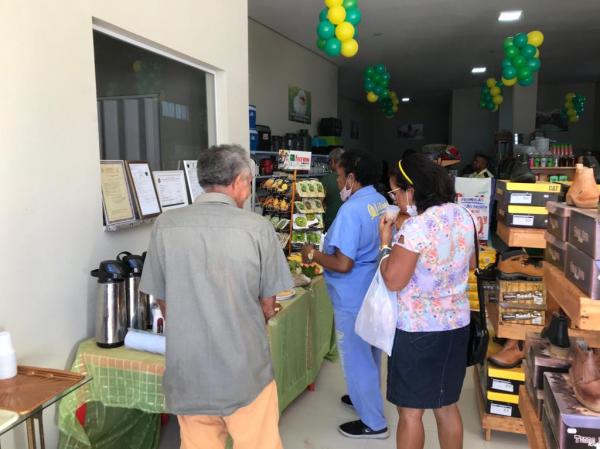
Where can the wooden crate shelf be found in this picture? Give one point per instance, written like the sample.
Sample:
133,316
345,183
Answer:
494,422
511,331
521,237
533,426
583,311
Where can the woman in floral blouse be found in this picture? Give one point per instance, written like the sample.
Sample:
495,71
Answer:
427,262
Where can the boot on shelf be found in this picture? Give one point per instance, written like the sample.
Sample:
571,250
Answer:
585,376
589,160
557,332
520,171
517,265
510,356
583,192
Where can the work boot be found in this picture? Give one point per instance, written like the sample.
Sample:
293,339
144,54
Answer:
583,192
517,265
585,376
557,333
520,171
589,160
509,356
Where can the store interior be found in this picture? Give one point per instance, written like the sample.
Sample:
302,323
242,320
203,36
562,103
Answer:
154,83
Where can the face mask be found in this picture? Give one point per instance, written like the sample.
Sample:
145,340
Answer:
346,192
411,209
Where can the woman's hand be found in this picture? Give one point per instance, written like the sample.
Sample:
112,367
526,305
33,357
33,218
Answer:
386,229
307,250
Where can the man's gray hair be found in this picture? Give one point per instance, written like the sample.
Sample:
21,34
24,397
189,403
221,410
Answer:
336,154
221,164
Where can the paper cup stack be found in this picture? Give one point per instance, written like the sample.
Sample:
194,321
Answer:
8,359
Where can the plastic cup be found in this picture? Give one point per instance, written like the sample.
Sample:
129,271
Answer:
8,359
6,346
392,212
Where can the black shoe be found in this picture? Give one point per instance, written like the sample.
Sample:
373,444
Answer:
359,430
346,400
557,332
589,160
520,171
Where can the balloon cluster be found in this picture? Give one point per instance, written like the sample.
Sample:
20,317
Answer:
491,95
521,58
573,107
377,87
337,28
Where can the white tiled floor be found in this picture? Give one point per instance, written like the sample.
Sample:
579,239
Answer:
311,421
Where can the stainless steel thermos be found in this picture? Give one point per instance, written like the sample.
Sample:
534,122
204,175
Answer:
111,308
137,302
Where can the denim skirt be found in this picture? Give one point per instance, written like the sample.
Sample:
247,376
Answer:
427,369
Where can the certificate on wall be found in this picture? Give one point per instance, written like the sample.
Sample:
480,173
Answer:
170,185
191,177
145,196
116,200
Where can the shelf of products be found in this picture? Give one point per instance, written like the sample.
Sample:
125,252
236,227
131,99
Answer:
533,426
521,237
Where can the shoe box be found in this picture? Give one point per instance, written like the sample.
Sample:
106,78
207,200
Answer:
504,380
524,205
503,404
522,302
573,426
583,271
584,231
536,395
559,215
556,251
539,360
524,216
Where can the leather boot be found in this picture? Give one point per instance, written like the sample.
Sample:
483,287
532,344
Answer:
517,265
509,356
589,160
583,192
520,171
585,376
557,333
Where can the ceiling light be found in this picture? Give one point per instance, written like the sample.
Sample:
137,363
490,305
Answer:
405,99
478,70
509,16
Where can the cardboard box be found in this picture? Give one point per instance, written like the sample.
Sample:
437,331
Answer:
583,271
584,231
573,425
559,215
555,252
525,194
539,361
523,216
503,404
502,380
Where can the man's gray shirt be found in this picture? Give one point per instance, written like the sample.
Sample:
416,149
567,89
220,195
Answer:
212,262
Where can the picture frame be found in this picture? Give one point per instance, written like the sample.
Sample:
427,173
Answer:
143,189
171,188
116,196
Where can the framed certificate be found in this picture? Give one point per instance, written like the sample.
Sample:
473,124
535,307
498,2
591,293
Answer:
116,198
191,176
146,198
170,185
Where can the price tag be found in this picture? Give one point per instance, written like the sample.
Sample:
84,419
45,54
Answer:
502,385
522,220
521,198
503,410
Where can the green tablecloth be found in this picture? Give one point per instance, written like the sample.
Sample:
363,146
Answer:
125,397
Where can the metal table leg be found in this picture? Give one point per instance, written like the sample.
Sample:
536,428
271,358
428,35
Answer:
31,433
40,420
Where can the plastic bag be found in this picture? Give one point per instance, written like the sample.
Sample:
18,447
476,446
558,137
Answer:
376,320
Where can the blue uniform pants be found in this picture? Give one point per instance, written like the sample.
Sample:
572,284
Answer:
361,363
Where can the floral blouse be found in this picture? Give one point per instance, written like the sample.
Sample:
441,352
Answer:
435,298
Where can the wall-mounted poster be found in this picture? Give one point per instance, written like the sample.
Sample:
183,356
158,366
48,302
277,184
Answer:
191,177
170,185
412,131
146,198
299,102
116,200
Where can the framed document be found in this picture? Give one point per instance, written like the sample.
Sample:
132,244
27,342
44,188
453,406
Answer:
116,200
170,185
191,177
146,198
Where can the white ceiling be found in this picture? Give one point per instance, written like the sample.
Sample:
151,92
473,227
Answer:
430,46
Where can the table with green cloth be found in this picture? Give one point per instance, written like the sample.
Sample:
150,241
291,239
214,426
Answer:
124,401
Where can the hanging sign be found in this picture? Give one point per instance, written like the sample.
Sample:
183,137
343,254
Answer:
294,160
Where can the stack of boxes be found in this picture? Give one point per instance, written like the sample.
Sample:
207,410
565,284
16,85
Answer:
253,131
524,205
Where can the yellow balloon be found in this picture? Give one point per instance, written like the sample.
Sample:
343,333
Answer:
569,104
332,3
537,53
571,112
395,108
510,82
573,118
349,48
344,31
535,38
491,82
570,95
336,14
495,91
372,97
497,99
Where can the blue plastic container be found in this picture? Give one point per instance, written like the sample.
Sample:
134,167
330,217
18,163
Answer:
253,140
252,116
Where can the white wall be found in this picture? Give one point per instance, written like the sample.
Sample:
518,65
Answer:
50,220
350,110
275,63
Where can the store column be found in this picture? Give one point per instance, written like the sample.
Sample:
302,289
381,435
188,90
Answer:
519,109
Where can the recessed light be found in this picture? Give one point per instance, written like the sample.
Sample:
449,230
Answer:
405,99
478,70
509,16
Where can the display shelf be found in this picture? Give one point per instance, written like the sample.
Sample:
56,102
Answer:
276,153
127,225
533,426
494,422
521,237
551,169
510,331
583,311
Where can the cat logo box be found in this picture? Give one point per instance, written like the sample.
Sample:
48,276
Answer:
524,194
503,404
523,216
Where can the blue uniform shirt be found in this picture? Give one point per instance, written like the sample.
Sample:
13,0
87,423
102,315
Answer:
355,232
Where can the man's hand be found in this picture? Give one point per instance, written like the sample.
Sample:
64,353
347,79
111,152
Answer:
308,253
268,307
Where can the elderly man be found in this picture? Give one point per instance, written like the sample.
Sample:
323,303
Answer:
217,268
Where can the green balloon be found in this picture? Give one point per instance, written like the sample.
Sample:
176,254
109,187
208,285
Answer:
321,43
369,85
379,90
385,94
508,42
350,4
323,14
369,72
482,104
520,40
326,29
386,77
506,63
509,73
526,81
333,47
519,62
380,68
524,73
534,64
377,78
354,16
528,51
491,105
511,52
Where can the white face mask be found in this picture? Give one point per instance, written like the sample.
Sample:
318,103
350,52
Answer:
411,209
346,192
